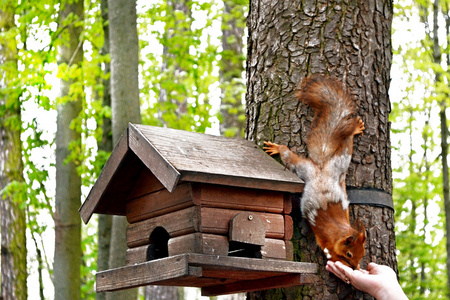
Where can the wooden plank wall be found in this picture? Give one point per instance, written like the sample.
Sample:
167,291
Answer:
197,214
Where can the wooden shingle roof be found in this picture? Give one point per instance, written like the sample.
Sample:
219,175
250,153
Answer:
174,156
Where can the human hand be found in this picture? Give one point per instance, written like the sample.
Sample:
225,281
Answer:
378,280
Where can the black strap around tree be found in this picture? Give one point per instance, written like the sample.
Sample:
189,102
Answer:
360,196
372,197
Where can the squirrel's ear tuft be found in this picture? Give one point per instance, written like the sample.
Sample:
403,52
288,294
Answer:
360,233
362,236
358,226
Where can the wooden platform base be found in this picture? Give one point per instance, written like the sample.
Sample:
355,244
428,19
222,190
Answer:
216,275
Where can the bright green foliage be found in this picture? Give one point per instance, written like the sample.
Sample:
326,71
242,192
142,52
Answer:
37,37
417,173
177,79
24,76
232,58
180,62
421,256
182,57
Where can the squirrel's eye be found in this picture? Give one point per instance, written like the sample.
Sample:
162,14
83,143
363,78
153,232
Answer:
349,254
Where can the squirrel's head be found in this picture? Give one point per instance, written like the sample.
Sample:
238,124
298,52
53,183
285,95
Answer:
350,249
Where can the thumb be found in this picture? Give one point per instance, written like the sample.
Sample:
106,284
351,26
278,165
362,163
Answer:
372,266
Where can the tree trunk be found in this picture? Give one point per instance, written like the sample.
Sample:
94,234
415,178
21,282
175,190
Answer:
411,170
444,155
106,145
445,179
125,106
124,50
13,223
424,275
289,40
67,260
231,69
158,292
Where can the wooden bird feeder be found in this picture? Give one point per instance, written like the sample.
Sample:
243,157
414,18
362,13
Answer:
203,211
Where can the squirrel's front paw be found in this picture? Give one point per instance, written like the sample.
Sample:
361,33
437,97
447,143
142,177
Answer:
271,148
359,127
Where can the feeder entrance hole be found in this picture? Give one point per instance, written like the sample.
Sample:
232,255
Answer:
238,249
159,239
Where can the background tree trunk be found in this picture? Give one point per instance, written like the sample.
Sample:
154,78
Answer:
444,138
445,185
289,40
125,106
67,260
159,292
106,145
13,223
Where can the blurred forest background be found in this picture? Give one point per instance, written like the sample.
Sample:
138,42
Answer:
191,77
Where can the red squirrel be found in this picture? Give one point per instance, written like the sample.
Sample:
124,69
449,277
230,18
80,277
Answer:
324,200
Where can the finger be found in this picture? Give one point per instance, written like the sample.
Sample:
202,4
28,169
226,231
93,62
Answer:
364,271
371,266
345,270
331,267
343,267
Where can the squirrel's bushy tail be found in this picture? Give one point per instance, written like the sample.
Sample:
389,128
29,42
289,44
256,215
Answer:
334,121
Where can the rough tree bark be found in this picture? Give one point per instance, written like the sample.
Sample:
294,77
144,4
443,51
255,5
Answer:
67,260
13,218
231,69
106,144
125,106
289,40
